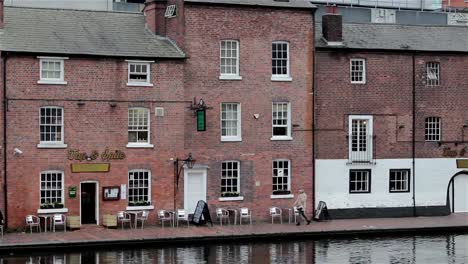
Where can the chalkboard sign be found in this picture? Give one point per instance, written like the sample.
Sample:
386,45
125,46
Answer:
201,214
321,212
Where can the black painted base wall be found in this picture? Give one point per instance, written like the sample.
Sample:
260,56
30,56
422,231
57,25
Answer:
388,212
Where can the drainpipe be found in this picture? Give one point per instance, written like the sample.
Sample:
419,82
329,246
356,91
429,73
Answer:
413,141
5,102
314,64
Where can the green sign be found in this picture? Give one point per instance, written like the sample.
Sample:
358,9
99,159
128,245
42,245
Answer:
201,120
72,192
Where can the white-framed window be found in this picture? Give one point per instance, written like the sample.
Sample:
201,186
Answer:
432,73
357,70
231,122
51,187
51,70
139,188
139,127
360,138
51,126
280,61
281,177
230,178
432,128
281,121
229,59
399,180
139,73
359,181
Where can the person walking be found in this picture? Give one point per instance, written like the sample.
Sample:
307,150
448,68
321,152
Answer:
300,204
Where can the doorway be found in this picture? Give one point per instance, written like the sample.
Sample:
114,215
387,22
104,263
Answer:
460,201
194,188
89,203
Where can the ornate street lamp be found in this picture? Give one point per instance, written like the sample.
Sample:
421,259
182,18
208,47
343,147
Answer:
189,162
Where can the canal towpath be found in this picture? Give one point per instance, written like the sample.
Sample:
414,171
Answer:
93,236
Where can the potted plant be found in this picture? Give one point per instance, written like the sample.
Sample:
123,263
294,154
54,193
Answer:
281,192
229,194
58,205
46,205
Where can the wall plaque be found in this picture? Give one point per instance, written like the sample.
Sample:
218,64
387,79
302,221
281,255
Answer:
72,192
90,167
111,193
462,163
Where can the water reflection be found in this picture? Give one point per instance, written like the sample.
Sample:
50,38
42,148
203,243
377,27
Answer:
452,249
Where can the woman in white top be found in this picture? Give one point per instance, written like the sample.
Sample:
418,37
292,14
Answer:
300,204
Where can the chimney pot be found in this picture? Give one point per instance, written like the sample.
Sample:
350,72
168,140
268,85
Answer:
154,16
332,29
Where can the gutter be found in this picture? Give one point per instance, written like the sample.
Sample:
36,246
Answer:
5,102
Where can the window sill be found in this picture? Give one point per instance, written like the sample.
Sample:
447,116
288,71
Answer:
358,82
140,208
281,138
225,199
230,77
282,196
52,211
281,78
233,139
51,82
52,145
136,145
140,84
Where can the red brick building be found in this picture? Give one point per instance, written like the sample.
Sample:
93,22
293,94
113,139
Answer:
390,119
99,105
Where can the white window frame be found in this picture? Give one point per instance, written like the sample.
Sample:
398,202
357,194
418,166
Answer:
62,197
281,77
234,198
238,137
61,79
275,196
140,144
433,78
52,144
369,135
351,71
148,73
288,126
151,206
436,125
402,172
229,76
368,182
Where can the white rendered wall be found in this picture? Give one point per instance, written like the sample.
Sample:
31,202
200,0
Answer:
103,5
432,178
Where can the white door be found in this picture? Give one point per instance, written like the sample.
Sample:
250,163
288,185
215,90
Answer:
460,183
194,188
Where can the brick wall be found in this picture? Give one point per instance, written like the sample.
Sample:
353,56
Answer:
255,29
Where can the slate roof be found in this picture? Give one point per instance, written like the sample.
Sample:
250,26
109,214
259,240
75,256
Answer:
400,37
270,3
58,31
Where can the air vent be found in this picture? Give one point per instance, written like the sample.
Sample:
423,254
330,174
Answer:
159,111
170,11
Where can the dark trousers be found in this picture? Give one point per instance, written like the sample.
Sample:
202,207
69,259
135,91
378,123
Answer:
301,212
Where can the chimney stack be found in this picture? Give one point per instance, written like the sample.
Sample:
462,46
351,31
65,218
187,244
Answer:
154,16
332,28
1,14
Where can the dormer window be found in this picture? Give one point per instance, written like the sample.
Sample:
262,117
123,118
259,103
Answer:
51,70
139,73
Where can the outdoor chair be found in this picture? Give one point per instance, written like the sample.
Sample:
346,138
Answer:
182,216
222,213
60,220
31,221
245,213
141,218
124,218
296,214
165,216
276,212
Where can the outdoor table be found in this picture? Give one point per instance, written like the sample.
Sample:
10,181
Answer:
290,212
135,216
235,211
173,216
46,217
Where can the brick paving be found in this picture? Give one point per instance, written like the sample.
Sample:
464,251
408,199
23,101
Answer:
92,235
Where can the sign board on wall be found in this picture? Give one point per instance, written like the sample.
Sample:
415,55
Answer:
72,192
90,167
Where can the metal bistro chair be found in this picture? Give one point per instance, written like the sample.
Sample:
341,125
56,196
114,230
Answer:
245,213
296,214
123,218
222,213
142,218
181,215
276,212
165,216
60,220
31,221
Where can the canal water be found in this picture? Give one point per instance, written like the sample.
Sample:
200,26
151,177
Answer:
437,249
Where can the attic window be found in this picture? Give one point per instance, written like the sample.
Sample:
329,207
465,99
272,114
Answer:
170,11
139,73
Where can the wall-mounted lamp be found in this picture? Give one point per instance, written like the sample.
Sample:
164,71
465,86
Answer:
17,152
189,162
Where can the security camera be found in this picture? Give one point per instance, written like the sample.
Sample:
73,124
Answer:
18,151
